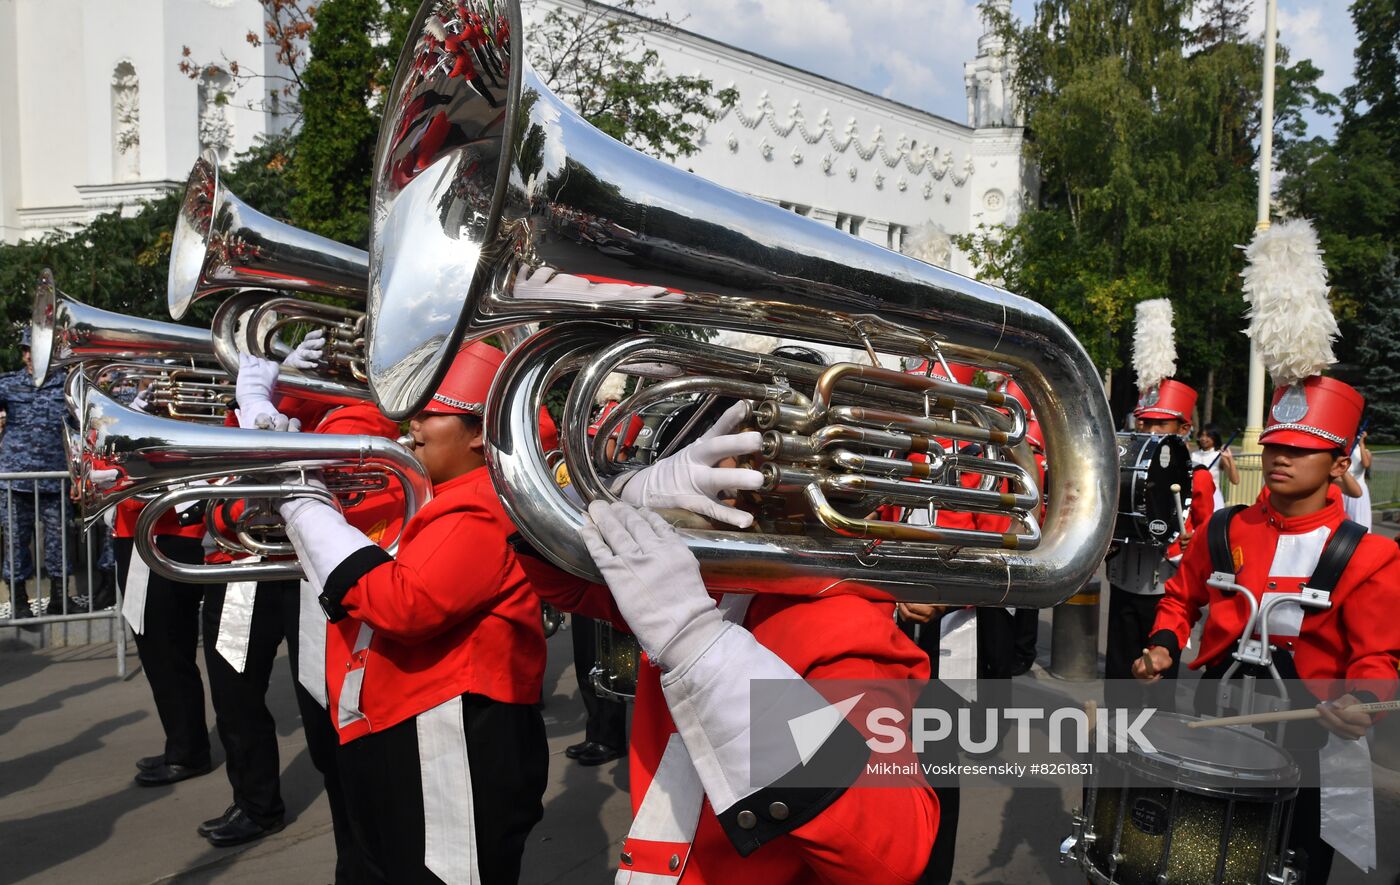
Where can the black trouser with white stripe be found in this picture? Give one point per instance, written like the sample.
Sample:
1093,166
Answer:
245,725
167,649
456,787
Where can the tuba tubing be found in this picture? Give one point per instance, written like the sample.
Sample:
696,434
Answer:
154,453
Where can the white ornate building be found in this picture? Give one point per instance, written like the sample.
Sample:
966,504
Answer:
95,113
109,120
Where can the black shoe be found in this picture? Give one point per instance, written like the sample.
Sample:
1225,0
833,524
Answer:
24,611
576,750
598,754
240,828
166,773
146,763
215,823
55,606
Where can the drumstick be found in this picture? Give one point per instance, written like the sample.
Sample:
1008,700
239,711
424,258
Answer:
1176,499
1290,715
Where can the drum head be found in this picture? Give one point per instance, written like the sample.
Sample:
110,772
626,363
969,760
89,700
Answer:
1149,465
1231,761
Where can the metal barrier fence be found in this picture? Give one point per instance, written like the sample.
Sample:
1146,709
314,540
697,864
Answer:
1385,480
30,514
1251,480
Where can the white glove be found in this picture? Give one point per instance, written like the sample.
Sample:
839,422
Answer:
655,580
321,536
689,480
256,376
139,402
104,478
308,353
269,419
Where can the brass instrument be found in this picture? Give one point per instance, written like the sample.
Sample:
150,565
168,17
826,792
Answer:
221,243
495,205
64,332
172,462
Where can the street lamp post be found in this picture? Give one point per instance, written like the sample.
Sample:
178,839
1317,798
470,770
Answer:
1255,419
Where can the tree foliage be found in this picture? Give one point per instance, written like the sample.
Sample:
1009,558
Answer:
599,62
1350,188
1143,128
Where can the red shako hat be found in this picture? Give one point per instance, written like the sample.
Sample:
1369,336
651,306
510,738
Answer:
1166,400
463,391
1315,413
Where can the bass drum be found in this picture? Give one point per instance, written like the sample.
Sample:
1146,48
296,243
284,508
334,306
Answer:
1149,465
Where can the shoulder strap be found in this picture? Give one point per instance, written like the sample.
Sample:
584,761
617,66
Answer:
1336,555
1218,537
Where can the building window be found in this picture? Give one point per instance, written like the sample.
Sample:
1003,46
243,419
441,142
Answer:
848,223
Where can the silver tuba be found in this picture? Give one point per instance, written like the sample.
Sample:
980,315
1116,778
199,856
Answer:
171,462
496,205
64,331
221,243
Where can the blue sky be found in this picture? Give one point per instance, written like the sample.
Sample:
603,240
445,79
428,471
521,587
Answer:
913,50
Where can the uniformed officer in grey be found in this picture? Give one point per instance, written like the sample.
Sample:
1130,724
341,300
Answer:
33,441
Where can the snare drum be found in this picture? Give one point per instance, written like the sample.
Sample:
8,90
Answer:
1148,466
615,665
1210,806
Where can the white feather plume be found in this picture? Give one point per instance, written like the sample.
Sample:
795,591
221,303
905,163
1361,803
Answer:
1154,343
1285,284
610,391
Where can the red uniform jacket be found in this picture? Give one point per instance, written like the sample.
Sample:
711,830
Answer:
1354,645
452,614
867,835
128,511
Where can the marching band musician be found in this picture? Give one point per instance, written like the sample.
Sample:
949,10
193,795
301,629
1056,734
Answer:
697,817
164,617
442,753
1344,654
1137,573
241,638
244,623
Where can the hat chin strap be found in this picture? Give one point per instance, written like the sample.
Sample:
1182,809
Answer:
1304,428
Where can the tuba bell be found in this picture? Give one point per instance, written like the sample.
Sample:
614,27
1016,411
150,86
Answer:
496,205
64,331
221,243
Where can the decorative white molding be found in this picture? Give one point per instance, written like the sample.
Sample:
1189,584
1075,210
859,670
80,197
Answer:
935,161
126,122
215,126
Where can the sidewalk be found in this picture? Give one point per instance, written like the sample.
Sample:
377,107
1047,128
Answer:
70,732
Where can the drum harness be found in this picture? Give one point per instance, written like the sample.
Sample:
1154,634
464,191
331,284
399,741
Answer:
1251,652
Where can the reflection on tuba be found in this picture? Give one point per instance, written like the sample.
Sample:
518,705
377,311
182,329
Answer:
65,331
496,205
221,243
178,461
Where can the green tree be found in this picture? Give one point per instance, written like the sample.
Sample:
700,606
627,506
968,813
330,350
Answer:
1378,350
599,62
1143,130
351,63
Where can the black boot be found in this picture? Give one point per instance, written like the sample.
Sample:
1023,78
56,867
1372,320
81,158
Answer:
105,596
19,603
56,593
